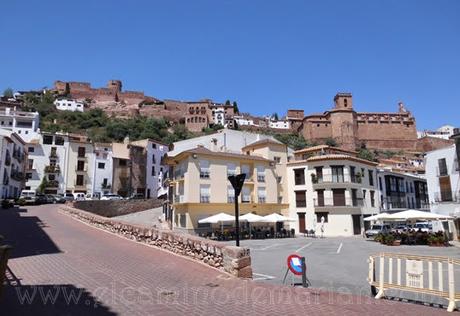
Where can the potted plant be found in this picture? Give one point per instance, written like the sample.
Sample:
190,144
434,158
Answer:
389,240
314,179
432,241
379,238
359,177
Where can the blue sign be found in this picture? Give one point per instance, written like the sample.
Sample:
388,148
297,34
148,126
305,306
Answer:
294,263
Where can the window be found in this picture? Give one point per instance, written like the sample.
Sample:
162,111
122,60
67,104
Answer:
246,170
320,201
153,159
204,193
279,179
337,173
380,183
81,152
261,195
230,194
59,141
319,174
442,167
104,182
28,175
80,165
372,198
338,196
320,215
231,169
371,178
154,146
204,169
353,177
101,165
246,195
80,180
277,159
30,164
299,176
47,139
260,174
300,199
31,149
153,171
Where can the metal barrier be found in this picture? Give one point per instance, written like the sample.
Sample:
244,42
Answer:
417,274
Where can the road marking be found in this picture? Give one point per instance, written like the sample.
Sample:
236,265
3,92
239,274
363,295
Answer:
267,247
340,248
262,276
303,247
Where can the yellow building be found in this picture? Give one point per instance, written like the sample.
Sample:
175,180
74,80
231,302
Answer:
200,188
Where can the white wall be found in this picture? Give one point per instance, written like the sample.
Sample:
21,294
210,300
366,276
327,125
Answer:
154,181
69,105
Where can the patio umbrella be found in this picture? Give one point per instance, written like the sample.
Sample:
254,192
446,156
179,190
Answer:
417,215
218,218
251,218
381,216
275,218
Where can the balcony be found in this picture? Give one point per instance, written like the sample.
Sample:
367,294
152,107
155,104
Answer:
7,160
53,155
16,175
338,203
262,200
447,196
52,169
81,170
80,185
245,199
204,199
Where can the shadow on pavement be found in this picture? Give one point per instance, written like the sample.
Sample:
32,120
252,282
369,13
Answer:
62,299
25,233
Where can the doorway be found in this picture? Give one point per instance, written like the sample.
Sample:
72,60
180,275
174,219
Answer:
301,222
356,224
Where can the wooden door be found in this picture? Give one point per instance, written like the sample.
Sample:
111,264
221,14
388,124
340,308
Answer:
301,222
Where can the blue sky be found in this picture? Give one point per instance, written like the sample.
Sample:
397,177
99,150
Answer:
267,55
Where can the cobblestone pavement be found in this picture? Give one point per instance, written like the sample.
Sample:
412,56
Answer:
65,267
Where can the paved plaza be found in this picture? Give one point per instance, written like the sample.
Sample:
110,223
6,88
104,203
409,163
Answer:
61,266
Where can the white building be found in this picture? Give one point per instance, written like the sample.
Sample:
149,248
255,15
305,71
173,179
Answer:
25,124
401,191
329,188
12,164
280,124
69,105
102,169
222,114
443,178
242,120
48,157
444,132
156,170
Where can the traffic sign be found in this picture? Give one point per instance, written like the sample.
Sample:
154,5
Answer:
294,263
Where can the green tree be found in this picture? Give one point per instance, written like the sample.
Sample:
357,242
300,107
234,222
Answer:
294,141
366,154
235,108
8,93
275,116
43,185
331,142
227,102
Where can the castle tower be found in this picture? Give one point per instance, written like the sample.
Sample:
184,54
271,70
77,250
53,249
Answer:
114,85
344,122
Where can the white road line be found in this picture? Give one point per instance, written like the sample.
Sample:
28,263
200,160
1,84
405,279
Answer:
340,248
267,247
262,276
303,247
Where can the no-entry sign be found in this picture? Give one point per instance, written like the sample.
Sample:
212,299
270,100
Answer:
294,263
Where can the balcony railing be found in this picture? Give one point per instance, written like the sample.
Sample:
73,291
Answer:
230,199
446,196
84,169
52,184
52,169
260,178
204,174
329,202
262,199
204,199
16,175
245,199
179,199
81,184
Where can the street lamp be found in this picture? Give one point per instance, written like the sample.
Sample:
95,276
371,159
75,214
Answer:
237,184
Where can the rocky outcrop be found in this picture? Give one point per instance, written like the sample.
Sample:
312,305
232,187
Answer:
233,260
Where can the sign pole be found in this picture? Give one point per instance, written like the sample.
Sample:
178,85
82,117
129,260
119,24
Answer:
304,272
237,222
237,184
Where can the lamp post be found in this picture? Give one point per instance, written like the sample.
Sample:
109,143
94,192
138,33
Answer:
237,184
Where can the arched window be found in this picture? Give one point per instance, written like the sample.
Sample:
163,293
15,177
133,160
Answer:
345,102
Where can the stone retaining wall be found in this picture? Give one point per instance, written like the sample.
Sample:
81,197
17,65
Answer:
113,208
232,259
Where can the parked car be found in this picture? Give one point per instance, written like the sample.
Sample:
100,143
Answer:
111,197
377,229
424,227
28,197
67,196
58,198
41,199
49,199
401,228
136,196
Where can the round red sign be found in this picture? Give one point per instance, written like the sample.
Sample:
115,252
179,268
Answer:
294,263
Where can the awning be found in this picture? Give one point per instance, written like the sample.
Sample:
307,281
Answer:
218,218
381,216
275,217
416,215
251,218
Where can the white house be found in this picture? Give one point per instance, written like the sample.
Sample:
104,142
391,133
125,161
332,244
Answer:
103,169
25,124
12,164
443,178
281,124
444,132
242,120
331,190
69,105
